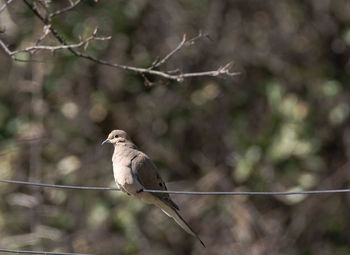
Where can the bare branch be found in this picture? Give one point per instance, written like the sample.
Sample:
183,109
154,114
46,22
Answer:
52,48
176,75
45,33
68,8
5,5
223,70
7,50
200,35
163,60
183,43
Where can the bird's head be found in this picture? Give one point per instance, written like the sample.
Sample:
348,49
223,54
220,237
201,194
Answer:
117,137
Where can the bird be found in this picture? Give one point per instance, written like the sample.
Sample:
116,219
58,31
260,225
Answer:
135,172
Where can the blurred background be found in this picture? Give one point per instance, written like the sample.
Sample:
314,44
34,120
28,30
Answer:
282,125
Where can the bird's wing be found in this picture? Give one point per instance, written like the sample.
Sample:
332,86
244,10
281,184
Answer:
147,174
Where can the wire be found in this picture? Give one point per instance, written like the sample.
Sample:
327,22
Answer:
245,193
235,193
41,252
57,186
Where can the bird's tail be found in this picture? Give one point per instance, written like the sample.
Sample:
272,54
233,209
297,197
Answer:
178,219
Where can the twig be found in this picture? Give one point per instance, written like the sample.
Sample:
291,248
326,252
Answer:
63,10
183,43
5,5
52,48
162,61
45,33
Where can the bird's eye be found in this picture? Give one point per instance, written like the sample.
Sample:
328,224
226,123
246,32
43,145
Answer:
116,136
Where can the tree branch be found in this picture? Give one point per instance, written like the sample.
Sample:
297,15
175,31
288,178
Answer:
68,8
73,48
183,43
31,49
7,2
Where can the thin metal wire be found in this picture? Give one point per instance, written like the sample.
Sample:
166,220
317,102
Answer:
57,186
232,193
41,252
245,193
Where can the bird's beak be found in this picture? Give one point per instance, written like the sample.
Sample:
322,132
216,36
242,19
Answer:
105,141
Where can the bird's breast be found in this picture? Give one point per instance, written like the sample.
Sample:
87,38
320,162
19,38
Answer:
122,156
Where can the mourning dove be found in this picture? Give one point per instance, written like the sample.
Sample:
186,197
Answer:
134,171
